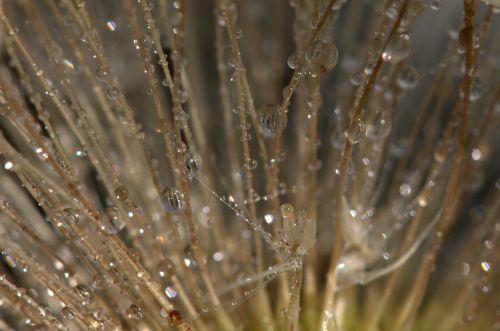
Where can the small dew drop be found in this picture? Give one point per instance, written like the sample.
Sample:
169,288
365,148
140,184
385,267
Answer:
135,312
84,293
357,132
172,199
170,292
193,162
435,5
485,266
251,165
68,313
71,216
114,222
162,126
269,218
287,211
398,48
101,74
115,276
166,268
121,193
292,61
408,78
322,57
111,25
268,117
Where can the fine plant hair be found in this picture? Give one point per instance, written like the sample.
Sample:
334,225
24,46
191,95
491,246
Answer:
249,165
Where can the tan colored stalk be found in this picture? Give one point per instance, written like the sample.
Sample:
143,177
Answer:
415,297
327,309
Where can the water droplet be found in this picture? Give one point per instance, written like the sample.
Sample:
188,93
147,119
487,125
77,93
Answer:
162,126
166,268
357,132
435,5
322,57
13,31
111,25
398,48
170,292
172,199
485,266
39,72
268,117
115,276
292,61
252,164
408,77
193,162
287,211
380,127
134,312
405,189
68,313
102,74
239,34
71,216
183,96
121,193
112,93
114,222
85,294
269,218
476,90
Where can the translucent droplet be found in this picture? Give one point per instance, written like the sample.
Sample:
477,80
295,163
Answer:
183,96
162,126
287,211
170,292
408,77
13,31
115,276
356,78
398,48
134,312
358,132
112,93
405,189
114,222
121,193
71,216
68,313
102,74
252,164
485,266
292,61
239,34
166,268
193,162
111,25
172,199
322,57
268,118
435,5
380,127
85,294
39,72
476,90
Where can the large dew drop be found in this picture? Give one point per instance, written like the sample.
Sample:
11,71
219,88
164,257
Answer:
172,199
268,117
322,57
